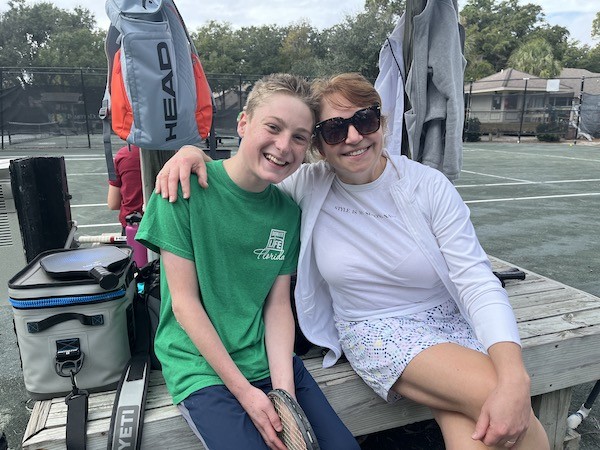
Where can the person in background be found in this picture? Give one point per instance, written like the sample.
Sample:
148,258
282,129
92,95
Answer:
125,193
391,273
226,330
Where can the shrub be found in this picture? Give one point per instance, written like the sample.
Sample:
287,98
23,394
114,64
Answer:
549,132
472,133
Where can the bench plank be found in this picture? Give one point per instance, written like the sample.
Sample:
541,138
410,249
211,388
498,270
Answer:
560,331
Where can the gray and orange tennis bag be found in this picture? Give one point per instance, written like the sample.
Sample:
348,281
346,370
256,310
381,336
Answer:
157,96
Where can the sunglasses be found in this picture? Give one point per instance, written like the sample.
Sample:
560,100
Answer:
335,130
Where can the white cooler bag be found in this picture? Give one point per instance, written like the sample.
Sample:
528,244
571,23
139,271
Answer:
69,324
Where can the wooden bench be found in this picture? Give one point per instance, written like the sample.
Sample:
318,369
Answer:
560,331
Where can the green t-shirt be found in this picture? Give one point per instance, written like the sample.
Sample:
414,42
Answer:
240,242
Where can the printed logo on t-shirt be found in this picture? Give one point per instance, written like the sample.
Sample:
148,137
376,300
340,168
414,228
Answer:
274,249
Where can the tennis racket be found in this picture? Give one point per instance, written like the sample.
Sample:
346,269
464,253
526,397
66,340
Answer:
297,434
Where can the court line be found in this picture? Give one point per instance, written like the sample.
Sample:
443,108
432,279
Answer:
66,158
540,197
537,155
589,180
497,176
90,205
82,174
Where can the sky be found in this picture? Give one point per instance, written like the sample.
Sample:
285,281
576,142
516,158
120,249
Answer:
575,15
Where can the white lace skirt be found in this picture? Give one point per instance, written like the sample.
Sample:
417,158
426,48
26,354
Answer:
380,349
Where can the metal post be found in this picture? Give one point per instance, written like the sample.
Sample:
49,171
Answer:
2,107
212,138
240,93
522,111
579,112
87,122
467,111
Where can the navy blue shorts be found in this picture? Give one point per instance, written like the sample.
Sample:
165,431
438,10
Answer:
221,423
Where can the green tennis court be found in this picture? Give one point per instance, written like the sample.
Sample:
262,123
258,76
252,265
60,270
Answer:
534,205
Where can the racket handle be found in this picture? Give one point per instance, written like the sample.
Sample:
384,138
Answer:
106,279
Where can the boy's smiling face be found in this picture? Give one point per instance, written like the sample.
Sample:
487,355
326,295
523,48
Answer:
274,141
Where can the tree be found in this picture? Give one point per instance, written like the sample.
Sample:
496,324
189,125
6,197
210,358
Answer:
596,26
593,60
556,36
536,57
260,49
301,49
78,48
354,45
219,47
576,57
25,30
496,29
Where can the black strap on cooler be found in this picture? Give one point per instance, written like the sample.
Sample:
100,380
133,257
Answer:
77,412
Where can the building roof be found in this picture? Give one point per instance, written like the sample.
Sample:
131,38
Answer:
513,80
573,77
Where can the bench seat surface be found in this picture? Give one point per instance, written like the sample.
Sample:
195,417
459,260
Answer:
560,332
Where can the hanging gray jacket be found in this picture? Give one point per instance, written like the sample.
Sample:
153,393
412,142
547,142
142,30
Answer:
434,86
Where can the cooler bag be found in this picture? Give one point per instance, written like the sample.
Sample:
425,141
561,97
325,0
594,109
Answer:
73,317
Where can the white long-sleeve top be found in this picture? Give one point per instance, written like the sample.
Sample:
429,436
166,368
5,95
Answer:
439,222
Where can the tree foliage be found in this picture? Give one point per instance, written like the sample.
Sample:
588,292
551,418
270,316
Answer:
354,45
30,30
596,26
535,57
496,29
498,33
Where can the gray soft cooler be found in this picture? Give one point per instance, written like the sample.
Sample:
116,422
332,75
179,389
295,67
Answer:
71,326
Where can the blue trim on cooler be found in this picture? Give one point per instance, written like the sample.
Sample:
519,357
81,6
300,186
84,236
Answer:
64,301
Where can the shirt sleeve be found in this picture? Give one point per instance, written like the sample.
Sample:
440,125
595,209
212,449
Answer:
166,225
481,297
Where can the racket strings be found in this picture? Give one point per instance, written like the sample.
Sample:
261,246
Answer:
291,435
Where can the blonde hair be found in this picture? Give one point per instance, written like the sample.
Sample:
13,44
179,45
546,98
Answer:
281,83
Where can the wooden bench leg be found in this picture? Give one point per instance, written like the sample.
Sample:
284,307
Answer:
552,410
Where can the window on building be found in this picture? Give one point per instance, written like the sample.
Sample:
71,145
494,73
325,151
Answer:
561,101
511,101
496,102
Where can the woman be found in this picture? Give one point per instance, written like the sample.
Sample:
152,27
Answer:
392,274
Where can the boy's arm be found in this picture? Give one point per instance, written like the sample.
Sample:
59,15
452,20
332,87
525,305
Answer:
279,334
188,159
189,312
114,197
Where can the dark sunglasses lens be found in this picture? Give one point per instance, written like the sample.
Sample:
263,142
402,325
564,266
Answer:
334,131
367,121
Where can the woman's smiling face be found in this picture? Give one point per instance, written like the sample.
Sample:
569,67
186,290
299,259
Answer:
358,158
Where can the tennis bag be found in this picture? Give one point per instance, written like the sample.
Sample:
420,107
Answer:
157,96
70,322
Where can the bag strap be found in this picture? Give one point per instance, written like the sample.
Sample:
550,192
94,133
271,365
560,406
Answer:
104,115
77,413
130,400
129,406
111,45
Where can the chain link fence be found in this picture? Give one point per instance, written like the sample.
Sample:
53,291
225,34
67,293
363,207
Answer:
59,107
550,109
